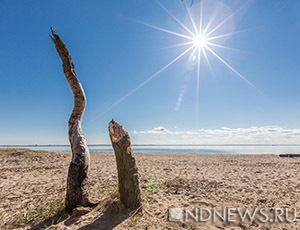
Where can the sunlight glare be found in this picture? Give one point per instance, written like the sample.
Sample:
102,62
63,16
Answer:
199,41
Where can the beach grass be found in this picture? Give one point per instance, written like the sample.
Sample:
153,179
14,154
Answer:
49,213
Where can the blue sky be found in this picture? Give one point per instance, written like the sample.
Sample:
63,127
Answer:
114,53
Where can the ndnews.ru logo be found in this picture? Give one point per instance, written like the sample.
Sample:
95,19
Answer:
230,215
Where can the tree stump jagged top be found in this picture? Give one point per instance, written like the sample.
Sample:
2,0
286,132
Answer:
129,189
119,135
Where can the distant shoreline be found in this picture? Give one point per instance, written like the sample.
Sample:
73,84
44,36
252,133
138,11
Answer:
182,149
53,145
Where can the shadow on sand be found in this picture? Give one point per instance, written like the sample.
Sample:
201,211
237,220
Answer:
113,215
53,220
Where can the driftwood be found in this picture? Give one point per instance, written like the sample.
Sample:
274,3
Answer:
77,181
129,189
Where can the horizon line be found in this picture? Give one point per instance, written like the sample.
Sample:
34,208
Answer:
68,145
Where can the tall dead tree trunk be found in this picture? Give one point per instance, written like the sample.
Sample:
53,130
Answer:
129,189
77,181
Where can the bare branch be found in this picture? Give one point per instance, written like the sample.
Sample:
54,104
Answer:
77,182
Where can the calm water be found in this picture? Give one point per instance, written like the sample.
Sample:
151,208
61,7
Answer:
238,149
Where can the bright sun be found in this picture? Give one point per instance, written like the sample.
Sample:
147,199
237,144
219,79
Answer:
200,40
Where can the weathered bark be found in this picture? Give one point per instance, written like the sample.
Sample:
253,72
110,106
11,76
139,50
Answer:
129,189
77,181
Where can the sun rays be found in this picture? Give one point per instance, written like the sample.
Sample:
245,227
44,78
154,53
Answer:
199,40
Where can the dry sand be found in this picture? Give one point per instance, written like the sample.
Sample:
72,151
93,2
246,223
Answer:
32,188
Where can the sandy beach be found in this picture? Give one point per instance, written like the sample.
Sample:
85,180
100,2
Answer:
32,189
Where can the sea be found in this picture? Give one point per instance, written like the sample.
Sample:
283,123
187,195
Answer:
207,149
